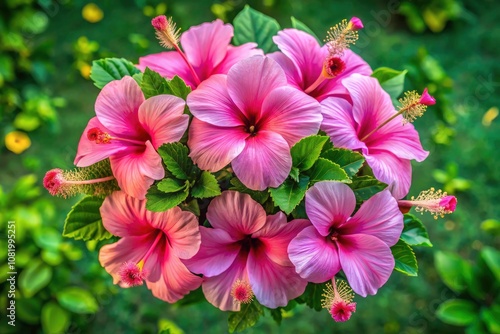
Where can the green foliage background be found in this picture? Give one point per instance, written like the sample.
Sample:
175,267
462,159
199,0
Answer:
450,46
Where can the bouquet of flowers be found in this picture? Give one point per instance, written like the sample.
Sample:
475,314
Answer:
258,175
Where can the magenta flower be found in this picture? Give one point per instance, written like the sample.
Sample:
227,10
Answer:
152,247
245,254
207,50
359,245
128,130
359,126
250,118
303,60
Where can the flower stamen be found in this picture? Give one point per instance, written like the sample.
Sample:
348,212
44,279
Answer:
338,300
241,292
437,203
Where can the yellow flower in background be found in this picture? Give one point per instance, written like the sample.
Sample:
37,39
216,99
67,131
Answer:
17,142
85,70
92,13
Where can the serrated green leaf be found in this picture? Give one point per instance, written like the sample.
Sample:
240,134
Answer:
405,259
175,157
366,186
84,221
206,186
392,81
245,318
289,194
294,174
325,170
414,232
458,312
106,70
301,26
313,295
77,300
348,160
171,185
177,87
253,26
306,152
35,276
452,269
259,196
55,319
153,84
158,201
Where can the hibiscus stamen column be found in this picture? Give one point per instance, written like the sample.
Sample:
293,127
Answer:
438,203
168,35
241,292
339,38
338,300
99,137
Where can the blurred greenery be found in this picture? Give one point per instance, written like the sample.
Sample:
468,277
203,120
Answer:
449,46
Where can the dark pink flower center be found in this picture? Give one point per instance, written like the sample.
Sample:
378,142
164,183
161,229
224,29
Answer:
334,66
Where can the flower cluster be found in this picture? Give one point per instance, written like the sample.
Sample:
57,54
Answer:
250,174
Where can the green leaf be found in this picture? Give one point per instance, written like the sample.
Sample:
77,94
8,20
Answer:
366,186
348,160
492,226
34,277
177,87
294,174
206,186
245,318
306,151
392,81
492,259
77,300
55,319
414,232
458,312
175,156
491,317
84,221
277,315
106,70
301,26
171,185
325,170
451,268
159,201
259,196
28,310
406,262
289,194
153,84
253,26
313,295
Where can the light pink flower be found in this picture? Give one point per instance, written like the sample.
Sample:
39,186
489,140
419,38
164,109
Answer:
128,130
388,150
245,254
250,118
207,48
359,245
152,247
303,58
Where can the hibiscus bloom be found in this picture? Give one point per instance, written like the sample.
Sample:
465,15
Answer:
303,60
206,48
359,245
250,118
152,246
128,130
388,149
245,254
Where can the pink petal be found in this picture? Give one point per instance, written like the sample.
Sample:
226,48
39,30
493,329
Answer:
329,204
251,80
273,285
89,152
211,103
315,257
380,217
168,64
293,75
391,170
217,252
123,215
291,113
152,265
117,107
176,281
235,54
136,172
181,228
213,147
366,261
162,117
265,161
236,213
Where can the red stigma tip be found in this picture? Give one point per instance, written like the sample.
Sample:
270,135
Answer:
53,180
160,23
427,99
97,136
341,311
333,66
131,274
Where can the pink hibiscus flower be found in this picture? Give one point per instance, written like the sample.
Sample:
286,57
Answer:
128,130
251,118
359,245
152,246
245,254
206,48
303,60
389,149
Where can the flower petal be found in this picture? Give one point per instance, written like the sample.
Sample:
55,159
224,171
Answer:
235,54
366,261
265,161
163,118
293,75
314,256
329,203
168,64
391,170
152,265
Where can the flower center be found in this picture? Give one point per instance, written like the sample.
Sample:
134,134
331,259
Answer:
242,292
333,66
